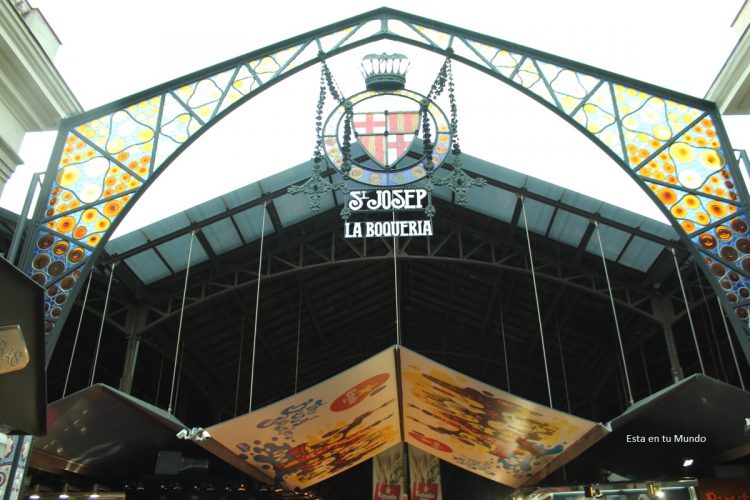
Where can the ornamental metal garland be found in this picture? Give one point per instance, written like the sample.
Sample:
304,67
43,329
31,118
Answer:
387,136
316,186
671,144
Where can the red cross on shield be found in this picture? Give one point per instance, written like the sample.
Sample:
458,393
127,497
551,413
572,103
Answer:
387,136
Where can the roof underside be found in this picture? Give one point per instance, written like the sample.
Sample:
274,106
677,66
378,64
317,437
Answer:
465,299
158,251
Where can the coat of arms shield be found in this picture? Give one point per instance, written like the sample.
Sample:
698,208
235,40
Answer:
386,136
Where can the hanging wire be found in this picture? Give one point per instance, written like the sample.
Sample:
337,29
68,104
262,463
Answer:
645,370
179,379
395,286
731,345
614,313
562,361
712,329
101,326
78,331
158,383
179,327
505,349
257,305
687,310
620,395
536,298
239,366
299,331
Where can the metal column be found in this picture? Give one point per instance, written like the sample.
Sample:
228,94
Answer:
134,323
664,311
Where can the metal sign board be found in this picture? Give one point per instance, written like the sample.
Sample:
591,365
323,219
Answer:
14,355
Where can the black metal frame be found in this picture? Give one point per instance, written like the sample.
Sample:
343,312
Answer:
310,48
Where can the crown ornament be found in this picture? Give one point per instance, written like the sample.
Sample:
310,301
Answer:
385,72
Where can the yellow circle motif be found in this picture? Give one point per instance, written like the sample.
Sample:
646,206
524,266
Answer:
712,160
679,211
68,176
691,201
102,224
682,153
89,215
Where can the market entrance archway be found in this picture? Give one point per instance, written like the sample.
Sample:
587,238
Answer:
674,146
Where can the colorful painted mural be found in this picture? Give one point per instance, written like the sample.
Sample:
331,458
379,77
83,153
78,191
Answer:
480,428
322,431
354,416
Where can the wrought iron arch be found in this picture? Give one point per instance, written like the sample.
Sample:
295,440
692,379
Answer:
673,145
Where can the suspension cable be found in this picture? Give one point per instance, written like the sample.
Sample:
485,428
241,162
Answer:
731,345
687,310
158,383
614,314
505,349
179,378
257,305
562,361
645,370
536,299
299,331
395,286
239,365
712,329
101,326
179,326
78,331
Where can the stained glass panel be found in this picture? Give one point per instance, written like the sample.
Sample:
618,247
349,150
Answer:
674,147
437,38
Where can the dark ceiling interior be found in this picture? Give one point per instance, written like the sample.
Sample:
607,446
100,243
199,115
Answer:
465,299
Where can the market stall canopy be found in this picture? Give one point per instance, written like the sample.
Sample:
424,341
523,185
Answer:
399,395
104,433
698,418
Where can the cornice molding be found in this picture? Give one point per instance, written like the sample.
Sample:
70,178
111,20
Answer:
30,85
731,88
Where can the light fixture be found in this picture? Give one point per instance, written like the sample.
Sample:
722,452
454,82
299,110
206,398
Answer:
35,494
95,491
688,462
653,490
194,434
64,493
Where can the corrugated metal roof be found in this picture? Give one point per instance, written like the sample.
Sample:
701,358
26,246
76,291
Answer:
551,210
222,236
568,228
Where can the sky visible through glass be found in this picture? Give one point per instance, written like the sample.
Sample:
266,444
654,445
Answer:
110,52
